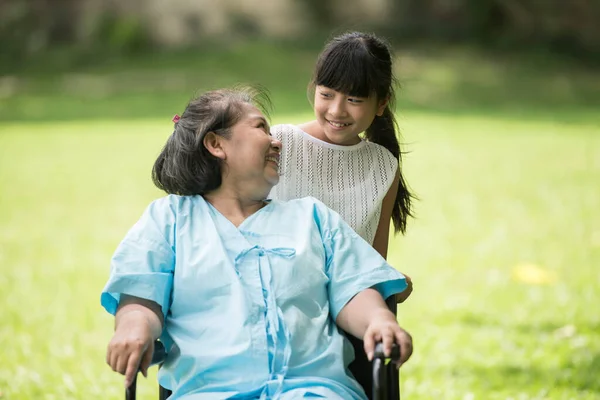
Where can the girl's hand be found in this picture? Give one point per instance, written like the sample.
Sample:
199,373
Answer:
400,297
131,347
384,328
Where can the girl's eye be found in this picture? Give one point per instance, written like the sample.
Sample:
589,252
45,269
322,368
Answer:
355,100
325,94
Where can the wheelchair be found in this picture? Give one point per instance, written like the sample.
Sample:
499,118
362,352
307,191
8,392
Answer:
379,379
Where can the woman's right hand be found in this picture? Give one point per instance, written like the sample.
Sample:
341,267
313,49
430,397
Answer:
131,347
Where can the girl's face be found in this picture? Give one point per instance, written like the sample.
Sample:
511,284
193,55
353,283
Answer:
342,117
251,153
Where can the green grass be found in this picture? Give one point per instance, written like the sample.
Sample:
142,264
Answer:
496,194
504,154
157,85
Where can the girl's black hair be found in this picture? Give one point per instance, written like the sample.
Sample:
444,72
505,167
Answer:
184,166
360,64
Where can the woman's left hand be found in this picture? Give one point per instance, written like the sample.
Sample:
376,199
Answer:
384,328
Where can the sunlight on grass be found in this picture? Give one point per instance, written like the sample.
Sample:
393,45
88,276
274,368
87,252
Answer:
495,196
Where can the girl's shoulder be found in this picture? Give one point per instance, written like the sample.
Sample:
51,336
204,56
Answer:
284,128
293,137
379,149
296,140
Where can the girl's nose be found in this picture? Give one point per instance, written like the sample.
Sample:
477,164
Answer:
338,108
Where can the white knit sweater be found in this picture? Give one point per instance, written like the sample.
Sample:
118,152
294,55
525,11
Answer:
352,180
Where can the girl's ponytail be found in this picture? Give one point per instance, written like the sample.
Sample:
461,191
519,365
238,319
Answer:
383,132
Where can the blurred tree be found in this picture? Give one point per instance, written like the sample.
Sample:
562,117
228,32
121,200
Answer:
30,26
321,13
567,26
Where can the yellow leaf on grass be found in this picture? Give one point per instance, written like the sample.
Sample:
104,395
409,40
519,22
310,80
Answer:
532,274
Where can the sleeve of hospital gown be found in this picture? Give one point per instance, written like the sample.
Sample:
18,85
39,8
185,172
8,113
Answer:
144,261
352,264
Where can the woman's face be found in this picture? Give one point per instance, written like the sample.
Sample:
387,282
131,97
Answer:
251,153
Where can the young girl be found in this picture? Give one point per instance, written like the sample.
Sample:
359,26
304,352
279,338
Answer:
245,292
361,179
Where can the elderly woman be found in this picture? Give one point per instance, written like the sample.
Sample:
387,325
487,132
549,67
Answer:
247,293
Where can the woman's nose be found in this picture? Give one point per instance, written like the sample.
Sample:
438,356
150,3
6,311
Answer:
276,145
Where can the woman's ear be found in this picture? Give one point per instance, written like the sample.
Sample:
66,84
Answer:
213,144
382,105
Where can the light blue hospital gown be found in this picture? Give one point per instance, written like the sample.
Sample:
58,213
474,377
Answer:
250,310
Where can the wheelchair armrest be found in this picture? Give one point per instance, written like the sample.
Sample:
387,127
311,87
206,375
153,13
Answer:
160,353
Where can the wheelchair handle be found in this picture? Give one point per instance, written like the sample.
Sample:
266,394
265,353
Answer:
379,372
158,357
379,354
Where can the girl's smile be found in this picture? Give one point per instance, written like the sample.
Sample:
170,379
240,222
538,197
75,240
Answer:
338,125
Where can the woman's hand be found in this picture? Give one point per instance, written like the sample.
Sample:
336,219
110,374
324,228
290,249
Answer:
138,323
366,316
384,328
131,346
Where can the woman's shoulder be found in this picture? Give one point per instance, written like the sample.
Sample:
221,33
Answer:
175,204
305,201
307,205
168,200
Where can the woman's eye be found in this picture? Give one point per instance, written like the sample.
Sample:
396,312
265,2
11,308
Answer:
265,128
325,94
355,100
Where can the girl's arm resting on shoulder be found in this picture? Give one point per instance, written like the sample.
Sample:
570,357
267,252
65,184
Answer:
138,323
382,236
367,317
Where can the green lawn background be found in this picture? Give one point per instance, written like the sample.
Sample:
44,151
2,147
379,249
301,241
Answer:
504,251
